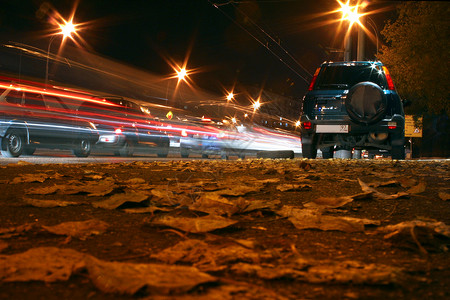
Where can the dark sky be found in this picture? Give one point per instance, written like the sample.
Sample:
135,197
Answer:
221,43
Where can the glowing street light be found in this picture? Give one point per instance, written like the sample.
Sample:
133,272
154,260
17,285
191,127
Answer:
230,96
181,74
67,29
256,105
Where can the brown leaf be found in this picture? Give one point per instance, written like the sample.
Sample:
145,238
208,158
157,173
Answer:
26,178
145,210
325,271
47,264
420,188
391,183
15,231
213,203
333,202
380,195
117,200
128,278
313,219
48,203
427,236
444,196
293,187
207,257
50,264
80,230
195,225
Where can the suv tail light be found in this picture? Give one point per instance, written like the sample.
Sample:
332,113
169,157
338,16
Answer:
313,81
389,79
392,125
307,125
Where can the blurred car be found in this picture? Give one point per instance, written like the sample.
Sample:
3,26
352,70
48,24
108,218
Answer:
352,105
32,116
209,137
125,127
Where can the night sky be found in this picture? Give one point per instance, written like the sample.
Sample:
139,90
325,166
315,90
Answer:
221,43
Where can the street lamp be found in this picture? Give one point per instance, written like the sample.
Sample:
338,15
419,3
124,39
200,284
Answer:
230,96
66,31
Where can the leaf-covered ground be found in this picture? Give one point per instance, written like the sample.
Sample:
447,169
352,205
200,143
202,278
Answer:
207,229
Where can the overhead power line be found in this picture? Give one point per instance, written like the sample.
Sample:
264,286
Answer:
266,40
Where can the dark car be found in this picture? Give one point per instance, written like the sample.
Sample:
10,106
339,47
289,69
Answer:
125,127
35,117
352,105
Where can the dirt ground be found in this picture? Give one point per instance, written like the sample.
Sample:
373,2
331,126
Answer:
210,229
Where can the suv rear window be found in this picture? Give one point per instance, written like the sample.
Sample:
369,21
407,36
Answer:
345,76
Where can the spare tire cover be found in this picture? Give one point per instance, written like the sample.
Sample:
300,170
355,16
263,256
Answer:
366,103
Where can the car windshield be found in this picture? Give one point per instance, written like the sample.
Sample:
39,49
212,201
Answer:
345,76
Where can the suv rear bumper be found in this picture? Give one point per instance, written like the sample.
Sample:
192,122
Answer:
334,132
394,124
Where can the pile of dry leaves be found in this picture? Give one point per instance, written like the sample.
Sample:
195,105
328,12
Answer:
253,229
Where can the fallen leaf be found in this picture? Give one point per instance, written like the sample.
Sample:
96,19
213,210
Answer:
195,225
293,187
15,231
27,178
117,200
325,271
420,188
135,181
314,219
80,230
426,236
391,183
380,195
128,278
50,264
48,203
334,202
444,196
213,203
208,257
145,210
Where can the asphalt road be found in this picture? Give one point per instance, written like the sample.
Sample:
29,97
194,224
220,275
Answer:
66,157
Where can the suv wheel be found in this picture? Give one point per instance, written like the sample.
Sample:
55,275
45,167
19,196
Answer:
309,151
13,144
328,152
366,103
398,152
82,148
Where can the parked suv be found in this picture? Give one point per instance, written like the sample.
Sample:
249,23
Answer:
352,105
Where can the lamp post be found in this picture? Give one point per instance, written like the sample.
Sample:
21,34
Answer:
66,31
375,29
350,14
